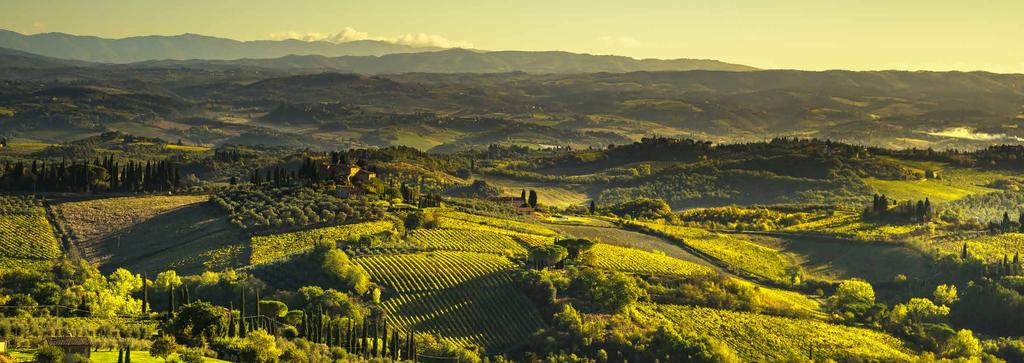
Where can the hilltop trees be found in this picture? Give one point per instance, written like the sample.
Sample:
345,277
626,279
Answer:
903,211
104,175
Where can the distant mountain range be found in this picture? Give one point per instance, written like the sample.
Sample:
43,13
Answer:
185,46
367,57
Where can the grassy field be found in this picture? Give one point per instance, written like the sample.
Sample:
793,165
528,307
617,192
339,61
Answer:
835,260
763,338
466,298
560,196
105,356
953,183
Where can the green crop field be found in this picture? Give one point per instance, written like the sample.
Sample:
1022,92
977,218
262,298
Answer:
764,338
270,247
24,231
831,259
530,234
735,251
638,261
466,240
508,224
467,298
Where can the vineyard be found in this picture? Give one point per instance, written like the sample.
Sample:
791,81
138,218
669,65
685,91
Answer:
736,252
24,231
986,247
503,224
764,338
848,224
271,247
637,261
91,220
467,298
466,240
542,235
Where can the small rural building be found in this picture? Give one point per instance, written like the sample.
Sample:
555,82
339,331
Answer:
70,346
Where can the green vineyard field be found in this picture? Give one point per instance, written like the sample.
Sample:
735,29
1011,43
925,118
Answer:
638,261
271,247
24,231
464,297
539,238
466,240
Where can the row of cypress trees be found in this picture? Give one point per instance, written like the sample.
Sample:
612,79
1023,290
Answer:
104,175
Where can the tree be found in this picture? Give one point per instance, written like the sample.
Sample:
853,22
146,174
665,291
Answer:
593,207
273,308
532,199
49,354
163,347
1006,222
607,290
945,294
260,347
963,345
198,321
853,300
547,255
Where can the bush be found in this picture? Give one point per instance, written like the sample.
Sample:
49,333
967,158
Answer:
192,356
49,354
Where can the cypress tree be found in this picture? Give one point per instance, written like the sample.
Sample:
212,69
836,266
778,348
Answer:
963,253
145,293
533,198
231,320
120,355
170,301
373,349
242,329
128,354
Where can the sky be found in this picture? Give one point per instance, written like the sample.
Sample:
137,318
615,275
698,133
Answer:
793,34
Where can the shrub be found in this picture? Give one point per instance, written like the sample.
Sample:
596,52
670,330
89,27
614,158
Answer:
49,354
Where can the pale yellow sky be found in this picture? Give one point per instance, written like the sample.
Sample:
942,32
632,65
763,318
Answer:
799,34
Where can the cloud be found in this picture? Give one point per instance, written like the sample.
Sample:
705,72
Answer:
968,133
621,42
38,25
349,34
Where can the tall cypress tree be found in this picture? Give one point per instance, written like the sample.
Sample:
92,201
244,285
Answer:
145,293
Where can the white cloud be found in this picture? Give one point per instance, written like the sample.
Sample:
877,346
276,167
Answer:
349,34
621,42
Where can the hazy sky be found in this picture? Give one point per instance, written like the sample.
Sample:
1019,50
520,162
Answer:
800,34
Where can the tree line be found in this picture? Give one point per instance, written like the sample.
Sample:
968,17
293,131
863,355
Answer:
100,175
